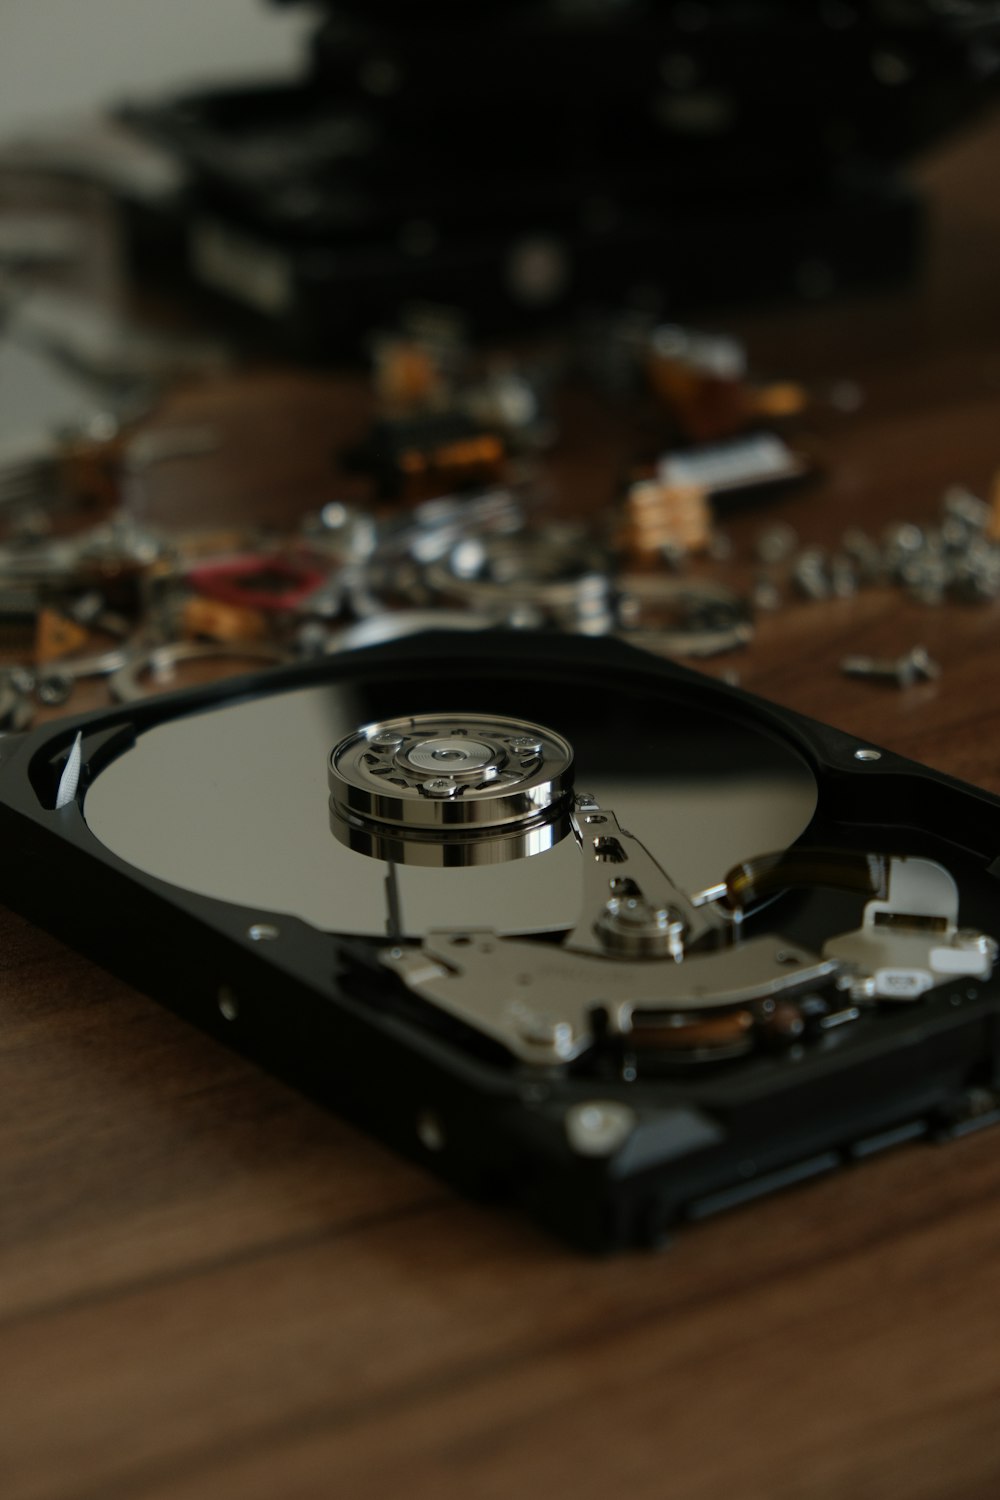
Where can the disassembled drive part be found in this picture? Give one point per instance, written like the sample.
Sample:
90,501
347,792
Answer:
647,965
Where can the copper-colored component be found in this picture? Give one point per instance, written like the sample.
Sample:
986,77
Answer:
206,619
406,378
783,1022
701,379
732,1029
56,635
705,406
784,398
466,461
838,869
658,517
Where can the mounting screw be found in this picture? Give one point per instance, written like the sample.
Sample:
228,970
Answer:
545,1031
440,786
599,1127
867,755
263,932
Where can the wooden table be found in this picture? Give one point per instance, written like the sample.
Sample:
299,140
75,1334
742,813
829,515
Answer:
210,1287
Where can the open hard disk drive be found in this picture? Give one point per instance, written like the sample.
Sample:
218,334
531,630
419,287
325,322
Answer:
572,925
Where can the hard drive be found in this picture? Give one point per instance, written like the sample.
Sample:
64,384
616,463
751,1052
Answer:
574,926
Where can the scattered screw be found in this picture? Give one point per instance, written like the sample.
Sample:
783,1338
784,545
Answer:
765,594
913,666
809,573
54,689
776,543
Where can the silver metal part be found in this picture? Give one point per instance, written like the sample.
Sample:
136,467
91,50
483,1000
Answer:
541,1001
556,571
599,1127
915,665
160,661
734,464
512,990
631,907
810,573
266,845
449,788
682,617
911,942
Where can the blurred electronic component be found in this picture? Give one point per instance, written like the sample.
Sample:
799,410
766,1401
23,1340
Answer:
736,466
663,521
407,379
682,617
551,575
702,380
423,457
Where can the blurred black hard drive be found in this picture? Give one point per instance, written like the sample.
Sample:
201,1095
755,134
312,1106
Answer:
573,926
523,160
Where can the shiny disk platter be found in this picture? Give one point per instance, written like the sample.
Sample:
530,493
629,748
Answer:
576,927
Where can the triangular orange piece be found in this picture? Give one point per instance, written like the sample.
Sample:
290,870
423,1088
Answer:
56,635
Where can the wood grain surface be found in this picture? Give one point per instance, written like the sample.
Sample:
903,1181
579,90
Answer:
210,1287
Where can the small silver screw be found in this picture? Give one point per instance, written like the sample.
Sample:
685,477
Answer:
386,739
599,1127
971,941
263,932
440,786
525,744
867,755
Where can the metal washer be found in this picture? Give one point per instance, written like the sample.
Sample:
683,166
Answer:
438,772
